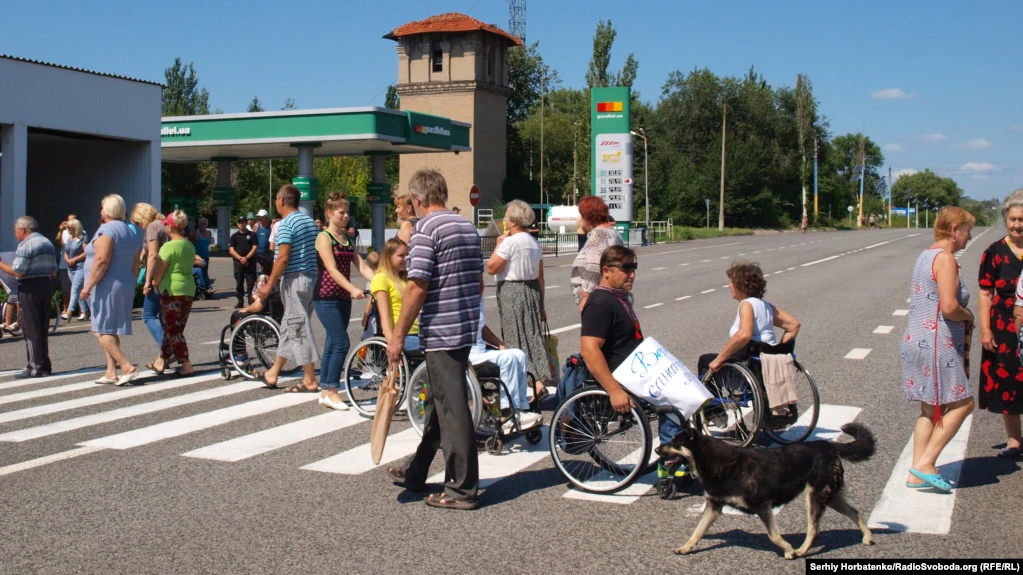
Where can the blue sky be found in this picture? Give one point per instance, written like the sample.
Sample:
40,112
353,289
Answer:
936,83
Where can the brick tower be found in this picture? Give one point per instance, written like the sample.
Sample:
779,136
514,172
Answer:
455,66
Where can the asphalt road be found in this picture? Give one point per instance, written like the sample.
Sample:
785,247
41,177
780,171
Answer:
130,501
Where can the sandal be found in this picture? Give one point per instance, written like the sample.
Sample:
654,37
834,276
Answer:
300,388
152,366
538,397
401,480
445,501
260,375
933,479
1009,452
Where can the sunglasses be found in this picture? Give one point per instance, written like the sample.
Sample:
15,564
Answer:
627,268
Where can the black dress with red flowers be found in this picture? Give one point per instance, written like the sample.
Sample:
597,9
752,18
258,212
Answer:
1001,377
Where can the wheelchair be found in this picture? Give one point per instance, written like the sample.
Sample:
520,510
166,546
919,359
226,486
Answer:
739,411
366,367
483,381
249,341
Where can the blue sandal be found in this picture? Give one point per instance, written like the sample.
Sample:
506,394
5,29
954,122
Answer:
934,480
923,485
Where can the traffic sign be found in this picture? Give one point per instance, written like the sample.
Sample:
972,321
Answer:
628,181
850,209
474,195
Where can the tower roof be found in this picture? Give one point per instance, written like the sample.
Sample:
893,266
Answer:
450,22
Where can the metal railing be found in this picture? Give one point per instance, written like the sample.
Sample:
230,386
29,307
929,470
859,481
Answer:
555,245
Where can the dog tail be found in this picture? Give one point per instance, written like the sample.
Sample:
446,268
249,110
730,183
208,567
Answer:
862,446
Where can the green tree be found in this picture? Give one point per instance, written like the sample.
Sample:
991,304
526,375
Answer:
254,105
926,187
183,96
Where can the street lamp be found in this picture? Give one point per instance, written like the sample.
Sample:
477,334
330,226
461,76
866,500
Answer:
646,177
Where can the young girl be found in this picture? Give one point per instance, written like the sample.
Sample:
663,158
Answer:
406,214
370,320
388,286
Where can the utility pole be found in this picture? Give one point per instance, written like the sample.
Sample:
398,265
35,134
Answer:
271,208
646,175
543,91
721,205
816,147
575,162
890,196
907,207
863,176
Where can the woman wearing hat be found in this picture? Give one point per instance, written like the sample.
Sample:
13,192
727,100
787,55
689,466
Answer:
172,279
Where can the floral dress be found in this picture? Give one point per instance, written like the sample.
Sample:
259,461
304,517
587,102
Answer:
1001,377
933,368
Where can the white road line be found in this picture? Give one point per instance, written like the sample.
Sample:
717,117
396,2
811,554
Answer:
767,275
693,249
724,286
514,457
214,342
922,510
884,329
858,353
624,497
184,426
359,459
653,305
491,297
683,297
8,372
47,379
876,245
551,287
656,269
267,440
707,290
47,460
901,312
813,263
122,393
705,261
26,395
757,252
779,272
740,255
723,257
790,269
683,264
566,328
909,299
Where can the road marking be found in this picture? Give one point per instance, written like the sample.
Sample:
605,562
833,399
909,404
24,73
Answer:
858,353
693,249
199,422
767,275
551,287
514,457
922,510
491,297
8,372
566,328
779,272
683,297
47,460
623,497
707,290
819,261
656,269
884,329
358,460
214,342
740,255
901,312
757,252
723,257
683,264
47,379
123,393
25,395
653,305
267,440
909,299
705,261
790,269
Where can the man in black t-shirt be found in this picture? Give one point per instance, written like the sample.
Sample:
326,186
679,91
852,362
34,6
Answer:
242,246
610,332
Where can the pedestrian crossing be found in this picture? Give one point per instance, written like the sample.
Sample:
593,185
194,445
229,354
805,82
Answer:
19,424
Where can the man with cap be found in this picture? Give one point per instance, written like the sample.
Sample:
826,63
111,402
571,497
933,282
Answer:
261,228
242,247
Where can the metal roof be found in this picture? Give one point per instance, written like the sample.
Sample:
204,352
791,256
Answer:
51,64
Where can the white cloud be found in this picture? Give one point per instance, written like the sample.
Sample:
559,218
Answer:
978,167
1016,128
934,138
896,148
892,94
904,172
975,144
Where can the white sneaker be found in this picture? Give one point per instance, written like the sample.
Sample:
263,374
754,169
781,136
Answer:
526,419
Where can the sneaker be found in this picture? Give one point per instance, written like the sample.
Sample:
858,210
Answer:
526,420
65,316
663,472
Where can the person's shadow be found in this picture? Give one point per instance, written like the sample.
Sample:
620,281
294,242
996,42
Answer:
980,471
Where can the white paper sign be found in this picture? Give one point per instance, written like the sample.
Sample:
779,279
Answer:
653,374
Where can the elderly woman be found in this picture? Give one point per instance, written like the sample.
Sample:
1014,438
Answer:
151,229
933,366
595,221
201,239
406,215
73,254
111,266
172,279
1001,264
518,264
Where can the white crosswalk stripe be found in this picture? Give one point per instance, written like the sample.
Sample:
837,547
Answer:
254,444
358,460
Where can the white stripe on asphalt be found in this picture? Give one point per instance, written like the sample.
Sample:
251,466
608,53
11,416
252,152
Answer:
623,497
10,372
901,312
693,249
214,342
566,328
683,264
858,353
267,440
880,244
47,460
184,426
514,457
26,395
123,393
707,290
359,459
656,269
790,269
551,287
909,299
47,379
819,261
705,261
724,257
901,508
683,297
126,412
779,272
884,329
653,305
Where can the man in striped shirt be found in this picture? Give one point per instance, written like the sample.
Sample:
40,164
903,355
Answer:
445,281
35,266
295,268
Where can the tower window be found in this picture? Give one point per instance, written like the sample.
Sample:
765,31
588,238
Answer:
438,58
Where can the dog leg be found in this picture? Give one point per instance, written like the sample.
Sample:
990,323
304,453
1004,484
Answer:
710,514
814,510
767,516
838,503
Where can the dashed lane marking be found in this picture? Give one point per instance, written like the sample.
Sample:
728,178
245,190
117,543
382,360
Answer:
813,263
707,290
685,264
656,269
683,297
883,329
551,287
653,305
858,353
901,312
566,328
705,261
790,269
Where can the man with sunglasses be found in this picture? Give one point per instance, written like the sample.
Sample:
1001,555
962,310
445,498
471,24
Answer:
610,333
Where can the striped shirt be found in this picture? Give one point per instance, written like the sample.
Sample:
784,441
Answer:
445,252
298,230
35,257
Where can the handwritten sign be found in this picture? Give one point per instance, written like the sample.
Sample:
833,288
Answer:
652,373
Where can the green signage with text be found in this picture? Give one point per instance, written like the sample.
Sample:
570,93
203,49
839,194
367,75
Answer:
309,187
611,150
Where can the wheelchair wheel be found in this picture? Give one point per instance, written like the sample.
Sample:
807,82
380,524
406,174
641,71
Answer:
254,346
494,445
534,436
364,372
596,448
801,419
419,387
667,488
736,413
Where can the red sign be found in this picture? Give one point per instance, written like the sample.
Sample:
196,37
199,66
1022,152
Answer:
474,195
628,181
603,107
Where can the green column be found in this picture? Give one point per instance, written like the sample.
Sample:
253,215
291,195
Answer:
611,152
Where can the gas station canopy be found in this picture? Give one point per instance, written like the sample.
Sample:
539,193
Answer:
331,132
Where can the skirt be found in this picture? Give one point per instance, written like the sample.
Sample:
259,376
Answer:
297,343
521,326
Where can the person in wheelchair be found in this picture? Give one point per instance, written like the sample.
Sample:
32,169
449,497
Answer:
610,332
512,363
753,329
258,306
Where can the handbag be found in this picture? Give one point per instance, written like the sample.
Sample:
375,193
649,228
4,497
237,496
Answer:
551,344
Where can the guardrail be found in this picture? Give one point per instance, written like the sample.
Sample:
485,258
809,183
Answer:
555,245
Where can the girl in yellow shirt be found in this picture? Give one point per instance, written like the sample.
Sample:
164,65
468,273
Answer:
387,287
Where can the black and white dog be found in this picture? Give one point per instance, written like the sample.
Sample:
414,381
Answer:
754,480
